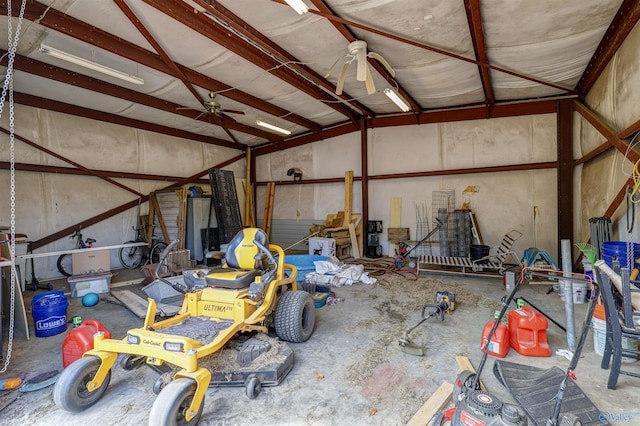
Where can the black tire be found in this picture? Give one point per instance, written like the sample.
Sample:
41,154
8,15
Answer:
64,265
70,392
295,316
156,251
253,387
170,406
131,362
131,257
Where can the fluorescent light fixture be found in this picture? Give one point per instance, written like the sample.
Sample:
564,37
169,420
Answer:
273,127
90,64
298,6
397,99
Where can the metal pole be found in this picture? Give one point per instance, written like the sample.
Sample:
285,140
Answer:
567,288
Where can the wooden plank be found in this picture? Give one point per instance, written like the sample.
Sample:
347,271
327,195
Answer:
132,301
268,208
395,216
465,364
154,200
348,197
354,241
20,313
182,217
475,229
435,403
150,222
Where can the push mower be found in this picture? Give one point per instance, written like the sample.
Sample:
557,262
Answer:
474,406
252,292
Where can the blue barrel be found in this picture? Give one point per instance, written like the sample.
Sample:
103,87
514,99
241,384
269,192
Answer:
619,250
49,311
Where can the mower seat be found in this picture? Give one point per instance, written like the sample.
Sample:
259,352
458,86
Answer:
243,261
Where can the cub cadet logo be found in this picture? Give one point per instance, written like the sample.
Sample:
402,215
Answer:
212,307
146,341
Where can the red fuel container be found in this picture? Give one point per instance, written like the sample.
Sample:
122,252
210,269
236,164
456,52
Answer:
528,332
499,344
80,340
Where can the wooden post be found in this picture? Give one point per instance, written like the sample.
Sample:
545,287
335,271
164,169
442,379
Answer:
249,219
268,208
150,222
156,207
348,197
182,217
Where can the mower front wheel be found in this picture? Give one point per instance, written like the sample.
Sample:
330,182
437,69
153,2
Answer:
70,392
170,407
295,316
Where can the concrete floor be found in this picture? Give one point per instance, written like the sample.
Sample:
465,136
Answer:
350,372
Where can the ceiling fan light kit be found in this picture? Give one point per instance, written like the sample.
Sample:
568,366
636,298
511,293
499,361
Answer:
56,53
273,127
397,99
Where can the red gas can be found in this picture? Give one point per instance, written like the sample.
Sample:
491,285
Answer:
80,340
528,332
499,344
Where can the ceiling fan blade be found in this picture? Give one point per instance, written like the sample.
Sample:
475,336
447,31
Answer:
371,88
343,73
334,65
361,61
377,57
232,111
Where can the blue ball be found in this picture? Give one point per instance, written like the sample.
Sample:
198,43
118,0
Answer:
90,299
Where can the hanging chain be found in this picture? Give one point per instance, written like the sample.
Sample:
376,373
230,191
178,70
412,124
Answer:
8,87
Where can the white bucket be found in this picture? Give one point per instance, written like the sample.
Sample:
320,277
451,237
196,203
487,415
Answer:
599,328
579,292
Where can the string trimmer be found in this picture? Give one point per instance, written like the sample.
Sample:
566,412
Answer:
445,303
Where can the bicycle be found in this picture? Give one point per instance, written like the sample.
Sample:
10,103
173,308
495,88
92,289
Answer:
136,256
65,260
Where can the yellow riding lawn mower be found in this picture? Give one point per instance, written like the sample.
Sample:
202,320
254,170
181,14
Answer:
252,292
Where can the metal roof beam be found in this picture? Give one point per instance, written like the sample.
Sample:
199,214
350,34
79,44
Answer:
625,20
474,17
65,24
349,36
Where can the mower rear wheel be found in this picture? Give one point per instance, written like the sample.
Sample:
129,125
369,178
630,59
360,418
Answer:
295,316
170,407
70,392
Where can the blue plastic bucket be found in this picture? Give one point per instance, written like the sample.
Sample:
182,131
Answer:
303,263
618,249
49,311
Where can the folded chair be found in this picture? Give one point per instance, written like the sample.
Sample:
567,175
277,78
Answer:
619,299
491,262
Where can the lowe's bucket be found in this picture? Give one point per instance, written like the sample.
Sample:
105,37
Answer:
49,311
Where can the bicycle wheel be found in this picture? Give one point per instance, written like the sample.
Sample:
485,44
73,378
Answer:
64,264
156,251
131,257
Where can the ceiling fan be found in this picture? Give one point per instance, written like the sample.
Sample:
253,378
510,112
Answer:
211,106
357,51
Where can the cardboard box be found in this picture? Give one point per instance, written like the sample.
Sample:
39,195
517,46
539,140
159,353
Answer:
91,283
322,246
397,235
90,262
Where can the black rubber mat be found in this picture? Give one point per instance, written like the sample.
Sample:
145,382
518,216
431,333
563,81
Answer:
535,390
202,329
